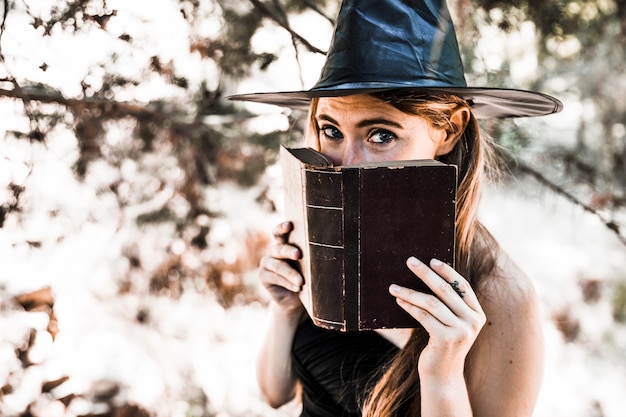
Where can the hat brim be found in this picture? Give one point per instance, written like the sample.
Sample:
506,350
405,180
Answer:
485,102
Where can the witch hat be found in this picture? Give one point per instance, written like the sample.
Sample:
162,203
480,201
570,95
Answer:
383,45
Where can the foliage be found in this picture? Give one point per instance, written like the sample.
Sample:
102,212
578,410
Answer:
579,51
187,121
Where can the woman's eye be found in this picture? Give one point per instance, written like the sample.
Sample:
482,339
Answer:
382,136
331,132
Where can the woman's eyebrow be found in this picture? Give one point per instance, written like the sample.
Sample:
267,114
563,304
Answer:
363,123
327,118
378,121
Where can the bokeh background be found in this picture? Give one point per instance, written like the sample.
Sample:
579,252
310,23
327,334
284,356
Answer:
136,202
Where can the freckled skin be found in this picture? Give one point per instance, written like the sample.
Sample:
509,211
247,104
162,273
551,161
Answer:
358,119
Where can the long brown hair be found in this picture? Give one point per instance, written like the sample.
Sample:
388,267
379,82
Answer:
396,392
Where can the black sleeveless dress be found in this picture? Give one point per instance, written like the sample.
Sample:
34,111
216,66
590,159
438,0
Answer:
336,368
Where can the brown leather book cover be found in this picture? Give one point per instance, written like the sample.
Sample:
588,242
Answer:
356,225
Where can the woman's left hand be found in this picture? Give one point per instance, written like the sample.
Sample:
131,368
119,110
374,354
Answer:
452,317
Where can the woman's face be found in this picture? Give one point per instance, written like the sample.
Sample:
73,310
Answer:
360,128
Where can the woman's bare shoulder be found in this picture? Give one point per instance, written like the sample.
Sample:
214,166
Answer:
511,305
507,287
505,364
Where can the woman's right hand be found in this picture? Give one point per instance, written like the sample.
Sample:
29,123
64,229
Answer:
282,281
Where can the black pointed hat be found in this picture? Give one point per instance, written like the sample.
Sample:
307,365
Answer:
383,45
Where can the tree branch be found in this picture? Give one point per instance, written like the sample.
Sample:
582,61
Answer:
112,109
282,22
319,11
5,13
540,178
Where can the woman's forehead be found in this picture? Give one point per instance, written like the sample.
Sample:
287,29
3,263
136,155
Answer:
355,105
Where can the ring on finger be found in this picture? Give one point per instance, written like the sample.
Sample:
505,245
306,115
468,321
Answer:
455,286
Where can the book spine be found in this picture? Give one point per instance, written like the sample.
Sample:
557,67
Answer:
352,247
324,208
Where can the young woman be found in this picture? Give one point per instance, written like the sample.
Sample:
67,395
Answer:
480,354
477,346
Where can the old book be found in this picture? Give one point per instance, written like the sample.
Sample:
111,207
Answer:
356,225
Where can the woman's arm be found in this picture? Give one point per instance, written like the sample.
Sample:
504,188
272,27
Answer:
482,359
275,375
453,318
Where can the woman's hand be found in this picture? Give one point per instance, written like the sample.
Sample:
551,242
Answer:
281,280
275,374
452,317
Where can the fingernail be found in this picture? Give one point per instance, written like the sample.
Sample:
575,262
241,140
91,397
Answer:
414,261
295,254
436,262
393,288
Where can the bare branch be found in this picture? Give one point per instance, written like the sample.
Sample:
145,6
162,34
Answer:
113,109
5,13
319,11
285,25
539,177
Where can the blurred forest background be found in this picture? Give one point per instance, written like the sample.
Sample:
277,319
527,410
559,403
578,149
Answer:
136,201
